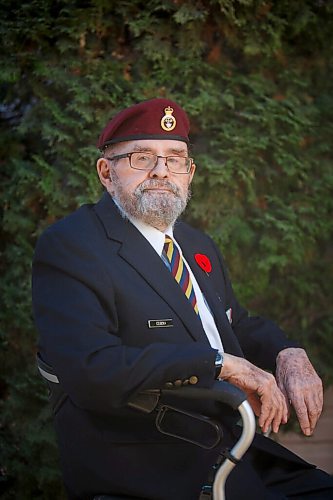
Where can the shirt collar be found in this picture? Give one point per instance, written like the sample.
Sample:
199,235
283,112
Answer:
153,236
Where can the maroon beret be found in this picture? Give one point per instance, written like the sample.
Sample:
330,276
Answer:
153,119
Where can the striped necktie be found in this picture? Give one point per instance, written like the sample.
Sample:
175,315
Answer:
179,271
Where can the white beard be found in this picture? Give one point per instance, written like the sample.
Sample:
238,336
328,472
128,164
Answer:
159,210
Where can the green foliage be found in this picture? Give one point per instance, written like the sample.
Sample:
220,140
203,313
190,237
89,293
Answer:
256,80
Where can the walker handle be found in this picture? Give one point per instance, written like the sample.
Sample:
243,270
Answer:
221,391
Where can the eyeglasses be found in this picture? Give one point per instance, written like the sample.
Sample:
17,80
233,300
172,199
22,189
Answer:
148,161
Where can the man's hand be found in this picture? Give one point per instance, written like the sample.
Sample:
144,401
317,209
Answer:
265,397
301,386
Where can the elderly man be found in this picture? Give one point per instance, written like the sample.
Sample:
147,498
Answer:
127,298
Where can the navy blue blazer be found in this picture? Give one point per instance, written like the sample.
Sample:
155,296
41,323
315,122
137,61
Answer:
97,284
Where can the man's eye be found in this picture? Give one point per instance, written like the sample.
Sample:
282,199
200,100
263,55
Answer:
174,160
143,158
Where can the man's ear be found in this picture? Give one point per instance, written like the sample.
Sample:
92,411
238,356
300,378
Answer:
193,168
103,170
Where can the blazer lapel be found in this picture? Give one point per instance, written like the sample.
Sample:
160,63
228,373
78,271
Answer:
138,253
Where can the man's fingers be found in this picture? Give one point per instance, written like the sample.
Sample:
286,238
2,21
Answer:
284,414
297,378
272,418
302,415
314,411
287,406
255,403
308,413
308,409
273,410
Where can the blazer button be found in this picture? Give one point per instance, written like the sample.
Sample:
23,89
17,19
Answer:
186,381
194,380
178,383
168,385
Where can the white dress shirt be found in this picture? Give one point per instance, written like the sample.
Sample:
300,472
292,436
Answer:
156,238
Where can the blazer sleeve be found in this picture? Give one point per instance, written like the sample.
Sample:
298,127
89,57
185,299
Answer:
260,338
80,334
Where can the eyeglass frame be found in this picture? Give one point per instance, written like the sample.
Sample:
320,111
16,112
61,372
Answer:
129,156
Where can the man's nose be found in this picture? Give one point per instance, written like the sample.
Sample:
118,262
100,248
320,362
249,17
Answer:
160,169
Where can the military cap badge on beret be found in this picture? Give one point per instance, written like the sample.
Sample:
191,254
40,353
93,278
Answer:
168,121
153,119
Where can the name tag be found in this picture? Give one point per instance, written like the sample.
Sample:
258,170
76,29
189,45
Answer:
160,323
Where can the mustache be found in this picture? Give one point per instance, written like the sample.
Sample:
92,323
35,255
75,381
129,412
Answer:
155,183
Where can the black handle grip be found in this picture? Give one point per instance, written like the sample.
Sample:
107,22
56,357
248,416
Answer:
221,391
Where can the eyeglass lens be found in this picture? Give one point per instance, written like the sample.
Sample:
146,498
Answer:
147,161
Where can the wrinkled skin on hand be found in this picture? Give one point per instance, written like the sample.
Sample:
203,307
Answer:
301,386
266,399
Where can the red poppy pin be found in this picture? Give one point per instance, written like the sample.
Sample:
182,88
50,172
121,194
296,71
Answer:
203,261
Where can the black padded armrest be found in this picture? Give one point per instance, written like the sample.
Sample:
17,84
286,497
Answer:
221,391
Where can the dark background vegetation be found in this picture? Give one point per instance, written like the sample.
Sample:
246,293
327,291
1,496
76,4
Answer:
256,79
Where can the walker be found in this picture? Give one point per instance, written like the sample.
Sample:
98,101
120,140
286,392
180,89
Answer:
221,392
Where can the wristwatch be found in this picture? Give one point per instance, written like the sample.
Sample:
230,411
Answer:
218,365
